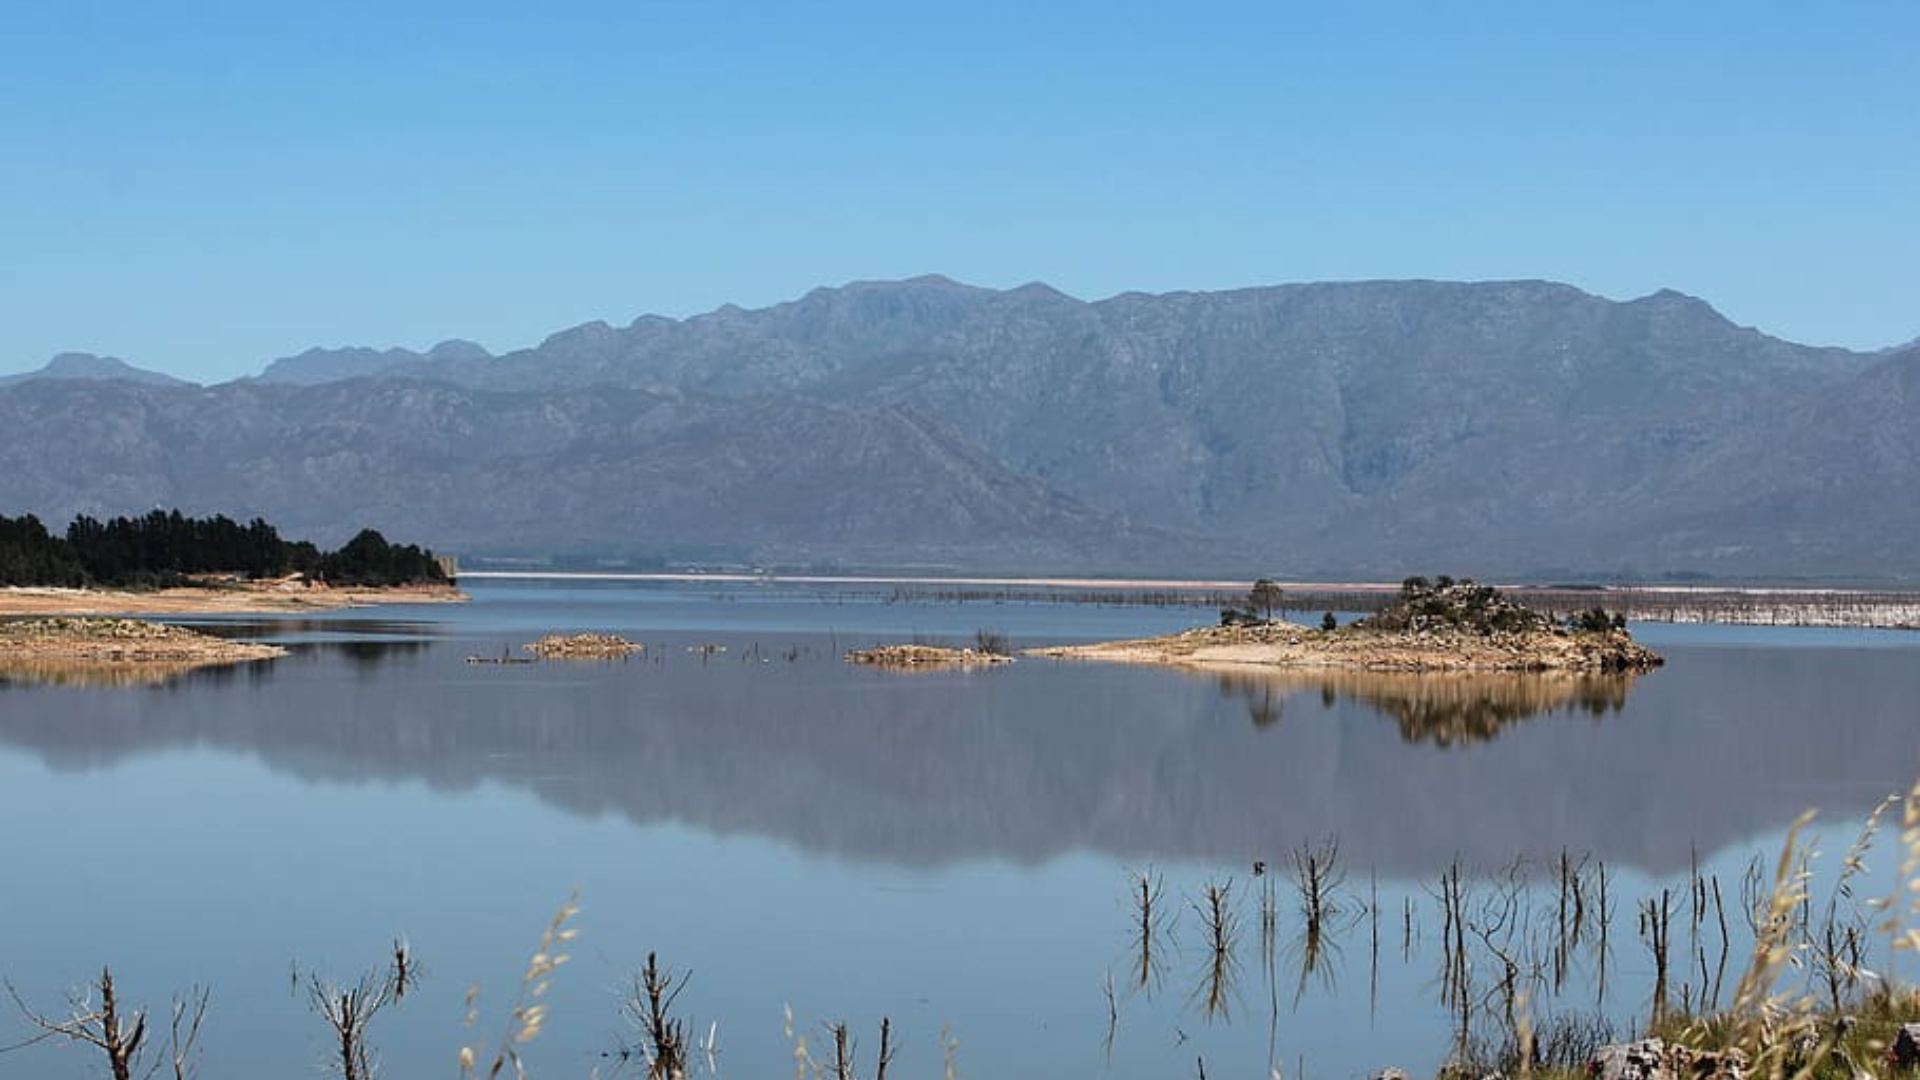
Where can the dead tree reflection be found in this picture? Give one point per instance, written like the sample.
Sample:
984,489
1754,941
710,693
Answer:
1217,989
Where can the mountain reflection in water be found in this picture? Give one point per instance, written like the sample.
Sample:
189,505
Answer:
1445,708
778,737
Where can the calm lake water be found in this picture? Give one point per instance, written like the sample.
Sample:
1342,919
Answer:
951,849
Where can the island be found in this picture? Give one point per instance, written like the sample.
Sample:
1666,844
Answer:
1437,625
585,646
114,651
908,657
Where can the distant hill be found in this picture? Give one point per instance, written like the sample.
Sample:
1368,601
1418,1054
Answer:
596,472
316,366
1368,428
88,367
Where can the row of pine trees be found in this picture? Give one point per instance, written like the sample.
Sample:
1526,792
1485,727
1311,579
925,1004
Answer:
166,547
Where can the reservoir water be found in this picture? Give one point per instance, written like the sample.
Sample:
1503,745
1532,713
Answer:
956,850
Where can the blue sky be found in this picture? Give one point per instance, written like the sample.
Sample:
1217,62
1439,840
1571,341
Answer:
201,187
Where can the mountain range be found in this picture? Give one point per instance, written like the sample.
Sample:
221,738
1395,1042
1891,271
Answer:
1514,429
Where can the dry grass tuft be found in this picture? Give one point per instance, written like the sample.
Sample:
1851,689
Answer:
528,1014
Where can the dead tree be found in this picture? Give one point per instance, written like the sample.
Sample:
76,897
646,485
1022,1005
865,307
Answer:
118,1034
1149,921
349,1010
649,1008
1222,933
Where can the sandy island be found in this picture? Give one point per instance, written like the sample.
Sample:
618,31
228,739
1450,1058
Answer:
1443,625
910,657
98,651
1288,645
583,647
235,599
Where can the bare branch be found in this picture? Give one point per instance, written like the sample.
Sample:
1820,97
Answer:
120,1038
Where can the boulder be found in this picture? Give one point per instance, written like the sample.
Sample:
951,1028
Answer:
1653,1059
1714,1064
1904,1053
1642,1060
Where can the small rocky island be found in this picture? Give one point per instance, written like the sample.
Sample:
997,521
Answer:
114,651
1439,625
583,647
914,656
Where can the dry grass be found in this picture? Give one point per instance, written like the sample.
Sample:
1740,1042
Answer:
528,1013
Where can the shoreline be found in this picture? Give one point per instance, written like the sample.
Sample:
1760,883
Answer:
91,650
231,600
1292,648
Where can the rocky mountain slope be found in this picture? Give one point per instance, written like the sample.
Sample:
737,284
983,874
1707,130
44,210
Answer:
1503,428
615,473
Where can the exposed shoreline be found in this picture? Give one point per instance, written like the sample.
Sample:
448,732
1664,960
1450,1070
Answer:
114,651
240,599
1289,646
924,656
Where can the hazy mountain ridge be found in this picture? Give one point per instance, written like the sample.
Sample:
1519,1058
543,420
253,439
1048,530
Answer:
604,470
90,368
317,365
1367,427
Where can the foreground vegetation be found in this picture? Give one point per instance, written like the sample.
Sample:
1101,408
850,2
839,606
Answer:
166,548
1812,997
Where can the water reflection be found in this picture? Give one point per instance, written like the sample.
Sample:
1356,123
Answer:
1444,708
1523,940
110,674
363,655
1217,990
371,654
779,738
343,628
935,834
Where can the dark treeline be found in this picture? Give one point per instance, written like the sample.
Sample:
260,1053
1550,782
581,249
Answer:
167,547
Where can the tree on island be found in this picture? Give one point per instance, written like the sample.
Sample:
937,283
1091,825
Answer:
1265,597
1597,620
1262,601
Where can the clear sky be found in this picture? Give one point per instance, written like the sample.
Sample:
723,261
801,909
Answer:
201,187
